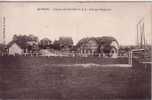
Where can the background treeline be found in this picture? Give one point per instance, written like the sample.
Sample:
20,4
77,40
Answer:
44,43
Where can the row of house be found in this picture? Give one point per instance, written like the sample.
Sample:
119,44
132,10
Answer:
90,46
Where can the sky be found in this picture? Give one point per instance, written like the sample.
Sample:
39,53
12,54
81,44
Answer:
76,20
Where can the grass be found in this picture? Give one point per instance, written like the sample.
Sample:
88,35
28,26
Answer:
40,78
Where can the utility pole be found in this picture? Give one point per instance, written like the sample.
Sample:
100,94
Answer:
144,40
141,34
4,29
142,28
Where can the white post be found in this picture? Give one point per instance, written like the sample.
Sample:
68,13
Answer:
130,58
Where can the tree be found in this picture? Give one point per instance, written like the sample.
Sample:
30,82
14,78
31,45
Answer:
32,38
22,40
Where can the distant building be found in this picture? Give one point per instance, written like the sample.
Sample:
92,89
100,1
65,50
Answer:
87,47
3,50
98,46
32,47
65,43
45,43
27,48
15,49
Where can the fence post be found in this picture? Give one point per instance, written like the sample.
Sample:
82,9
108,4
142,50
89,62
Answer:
130,57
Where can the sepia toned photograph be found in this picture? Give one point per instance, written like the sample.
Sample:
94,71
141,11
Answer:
75,50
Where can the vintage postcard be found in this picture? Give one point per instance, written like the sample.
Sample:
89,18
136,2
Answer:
75,50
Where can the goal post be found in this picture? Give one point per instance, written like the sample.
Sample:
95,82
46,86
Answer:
130,58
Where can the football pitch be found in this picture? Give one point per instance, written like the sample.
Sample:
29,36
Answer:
65,78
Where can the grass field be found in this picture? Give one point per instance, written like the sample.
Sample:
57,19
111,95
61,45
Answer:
39,78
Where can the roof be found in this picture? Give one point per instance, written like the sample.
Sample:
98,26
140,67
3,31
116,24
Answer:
22,46
105,40
85,40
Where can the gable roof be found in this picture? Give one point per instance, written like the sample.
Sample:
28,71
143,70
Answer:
19,44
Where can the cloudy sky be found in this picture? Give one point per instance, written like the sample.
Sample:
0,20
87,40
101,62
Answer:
77,20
